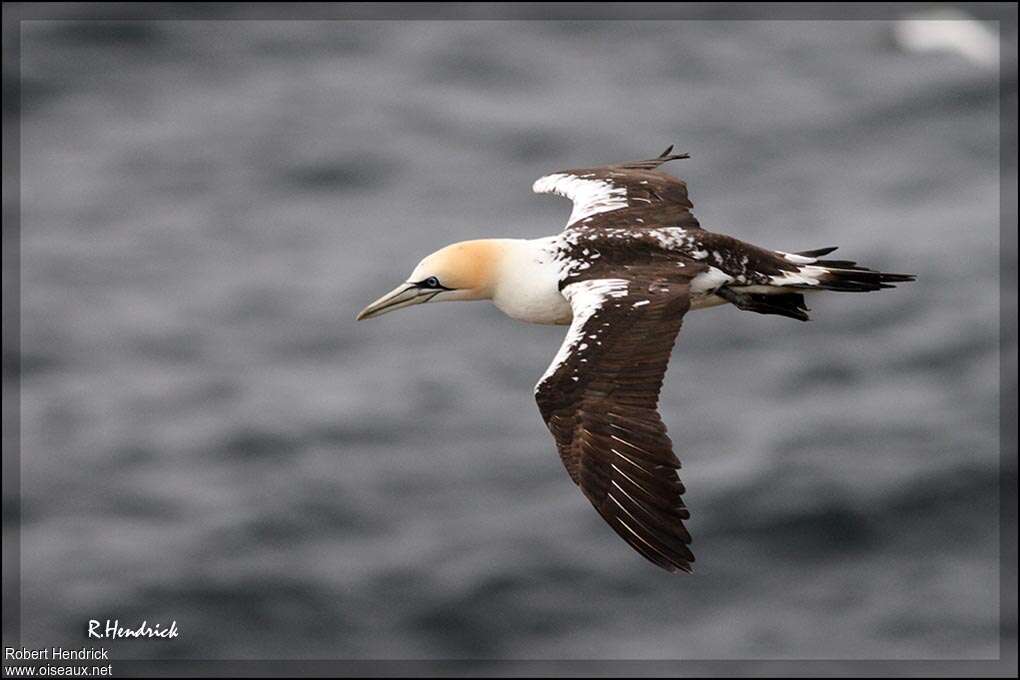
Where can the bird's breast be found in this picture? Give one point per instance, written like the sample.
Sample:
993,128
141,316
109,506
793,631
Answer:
529,288
536,302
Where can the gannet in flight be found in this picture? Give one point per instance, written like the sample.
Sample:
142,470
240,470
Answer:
631,262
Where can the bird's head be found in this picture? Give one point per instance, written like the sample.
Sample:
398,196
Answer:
462,271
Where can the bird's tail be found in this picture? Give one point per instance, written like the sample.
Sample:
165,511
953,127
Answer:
844,276
806,271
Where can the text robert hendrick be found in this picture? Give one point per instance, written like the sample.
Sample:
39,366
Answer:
55,654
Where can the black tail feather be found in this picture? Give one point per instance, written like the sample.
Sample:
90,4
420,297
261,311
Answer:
817,253
847,276
790,305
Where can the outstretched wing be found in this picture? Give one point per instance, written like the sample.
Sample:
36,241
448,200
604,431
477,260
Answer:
600,399
623,195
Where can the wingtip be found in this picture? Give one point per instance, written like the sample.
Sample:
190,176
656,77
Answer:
668,154
818,252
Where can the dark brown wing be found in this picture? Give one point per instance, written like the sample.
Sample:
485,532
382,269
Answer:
624,194
600,398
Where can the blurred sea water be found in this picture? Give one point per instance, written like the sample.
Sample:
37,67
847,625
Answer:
209,437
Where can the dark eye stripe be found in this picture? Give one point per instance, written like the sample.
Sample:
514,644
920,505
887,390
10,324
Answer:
432,283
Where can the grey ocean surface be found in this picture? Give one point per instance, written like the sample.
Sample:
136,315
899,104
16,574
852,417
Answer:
208,436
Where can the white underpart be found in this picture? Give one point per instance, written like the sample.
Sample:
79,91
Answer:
586,298
590,196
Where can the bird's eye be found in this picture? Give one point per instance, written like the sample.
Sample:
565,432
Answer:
431,282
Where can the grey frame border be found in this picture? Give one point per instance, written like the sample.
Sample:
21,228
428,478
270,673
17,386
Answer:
1004,13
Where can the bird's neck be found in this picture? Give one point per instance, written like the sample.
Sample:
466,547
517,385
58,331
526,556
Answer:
526,281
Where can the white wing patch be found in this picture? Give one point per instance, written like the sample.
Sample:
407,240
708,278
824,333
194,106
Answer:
590,196
586,298
806,275
709,280
797,259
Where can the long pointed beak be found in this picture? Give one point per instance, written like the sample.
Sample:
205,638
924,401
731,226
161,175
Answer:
404,295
